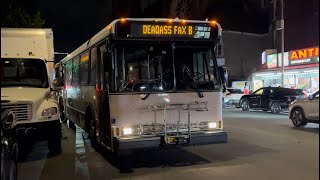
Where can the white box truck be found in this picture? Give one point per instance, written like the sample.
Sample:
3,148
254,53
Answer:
27,69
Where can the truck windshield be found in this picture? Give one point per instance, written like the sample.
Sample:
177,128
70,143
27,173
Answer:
153,68
23,72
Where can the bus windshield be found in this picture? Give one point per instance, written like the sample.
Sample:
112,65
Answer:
159,68
23,72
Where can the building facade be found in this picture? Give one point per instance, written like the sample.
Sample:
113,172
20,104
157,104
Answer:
242,52
301,70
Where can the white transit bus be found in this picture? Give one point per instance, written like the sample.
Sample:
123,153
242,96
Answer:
142,83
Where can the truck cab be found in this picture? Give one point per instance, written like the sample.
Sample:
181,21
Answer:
27,68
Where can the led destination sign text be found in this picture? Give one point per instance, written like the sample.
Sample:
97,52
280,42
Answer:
166,30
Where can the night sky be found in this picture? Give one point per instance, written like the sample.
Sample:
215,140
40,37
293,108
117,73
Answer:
73,22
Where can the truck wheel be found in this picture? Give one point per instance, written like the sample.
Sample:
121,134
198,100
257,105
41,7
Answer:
54,141
21,150
10,170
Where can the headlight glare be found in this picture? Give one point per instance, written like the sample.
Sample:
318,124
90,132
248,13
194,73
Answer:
127,131
50,111
212,125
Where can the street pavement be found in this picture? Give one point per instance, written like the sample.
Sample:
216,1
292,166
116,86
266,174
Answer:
261,146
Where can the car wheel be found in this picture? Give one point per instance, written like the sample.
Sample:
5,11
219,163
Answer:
298,118
245,105
275,108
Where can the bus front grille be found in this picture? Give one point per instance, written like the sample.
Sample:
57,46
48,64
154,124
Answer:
23,112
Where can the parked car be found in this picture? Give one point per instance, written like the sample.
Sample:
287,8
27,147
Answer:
275,99
9,146
305,110
232,96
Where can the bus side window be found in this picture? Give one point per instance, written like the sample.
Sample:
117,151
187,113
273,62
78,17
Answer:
93,59
84,68
75,71
68,73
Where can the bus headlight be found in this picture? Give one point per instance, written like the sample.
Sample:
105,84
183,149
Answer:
212,125
127,131
50,111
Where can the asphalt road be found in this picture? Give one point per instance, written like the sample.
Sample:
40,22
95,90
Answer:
261,146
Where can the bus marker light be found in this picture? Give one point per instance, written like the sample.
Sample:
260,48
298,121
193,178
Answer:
117,132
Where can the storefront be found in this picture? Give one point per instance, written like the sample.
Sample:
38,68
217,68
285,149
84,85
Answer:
301,70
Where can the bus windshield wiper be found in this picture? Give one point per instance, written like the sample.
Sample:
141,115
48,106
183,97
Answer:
153,87
150,91
195,87
148,94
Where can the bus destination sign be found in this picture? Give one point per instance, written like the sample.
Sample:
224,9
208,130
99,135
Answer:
197,31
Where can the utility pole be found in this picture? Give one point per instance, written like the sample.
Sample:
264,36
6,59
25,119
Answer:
282,44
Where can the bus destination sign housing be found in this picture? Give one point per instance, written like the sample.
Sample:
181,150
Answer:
159,30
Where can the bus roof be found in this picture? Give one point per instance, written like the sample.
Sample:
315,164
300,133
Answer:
110,29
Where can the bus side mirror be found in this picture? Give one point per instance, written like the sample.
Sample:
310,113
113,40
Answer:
224,78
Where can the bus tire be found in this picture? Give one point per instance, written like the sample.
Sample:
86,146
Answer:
54,141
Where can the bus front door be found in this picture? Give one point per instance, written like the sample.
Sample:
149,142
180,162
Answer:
105,124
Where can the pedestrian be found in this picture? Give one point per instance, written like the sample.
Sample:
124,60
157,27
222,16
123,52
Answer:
246,89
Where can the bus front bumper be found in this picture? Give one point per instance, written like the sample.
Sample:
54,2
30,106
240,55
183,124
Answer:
144,142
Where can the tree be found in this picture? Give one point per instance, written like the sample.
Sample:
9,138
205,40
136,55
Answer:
19,18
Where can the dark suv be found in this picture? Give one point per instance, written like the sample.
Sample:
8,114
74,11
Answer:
270,98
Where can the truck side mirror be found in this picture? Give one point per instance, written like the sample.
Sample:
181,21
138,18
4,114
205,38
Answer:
57,84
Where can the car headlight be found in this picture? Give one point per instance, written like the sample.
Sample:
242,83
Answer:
127,131
50,111
212,125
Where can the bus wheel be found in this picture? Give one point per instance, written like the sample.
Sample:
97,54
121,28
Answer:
92,131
